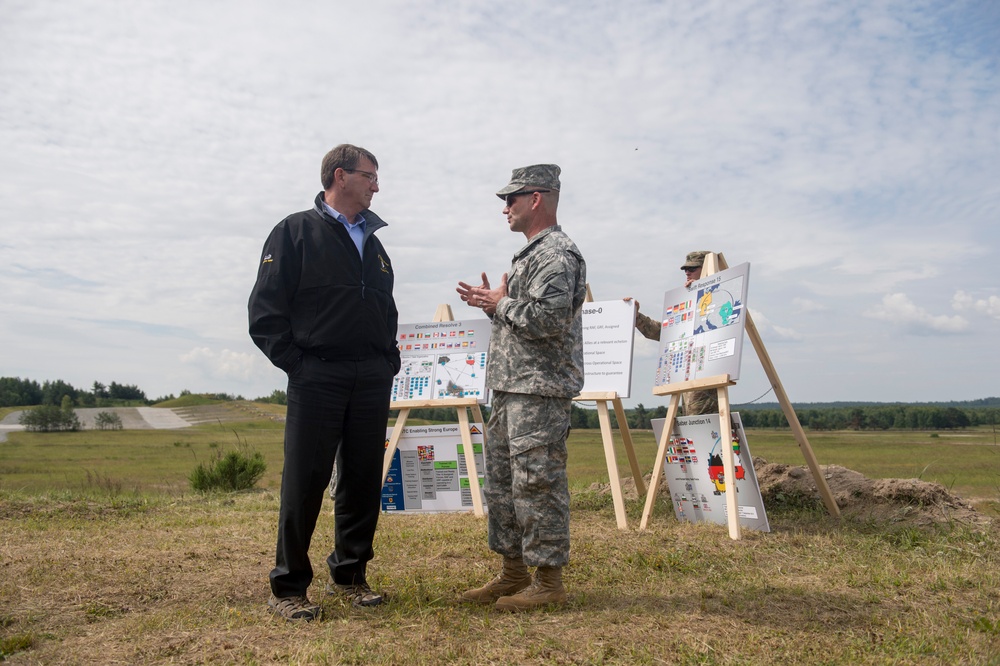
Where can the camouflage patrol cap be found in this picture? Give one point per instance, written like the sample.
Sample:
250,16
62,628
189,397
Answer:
536,176
695,259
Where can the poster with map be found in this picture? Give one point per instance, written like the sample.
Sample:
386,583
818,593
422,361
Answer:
428,473
702,328
695,474
444,359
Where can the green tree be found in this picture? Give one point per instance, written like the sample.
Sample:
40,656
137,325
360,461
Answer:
641,419
108,421
49,418
118,391
277,397
17,392
53,392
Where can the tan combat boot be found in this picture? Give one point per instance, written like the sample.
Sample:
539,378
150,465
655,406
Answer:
547,589
512,579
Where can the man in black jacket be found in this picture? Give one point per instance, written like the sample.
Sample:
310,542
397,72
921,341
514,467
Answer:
322,310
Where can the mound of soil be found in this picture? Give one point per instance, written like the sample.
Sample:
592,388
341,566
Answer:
908,502
902,501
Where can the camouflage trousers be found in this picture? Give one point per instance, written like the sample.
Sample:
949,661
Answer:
527,493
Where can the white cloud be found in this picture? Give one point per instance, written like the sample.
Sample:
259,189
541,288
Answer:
807,305
964,302
147,152
899,310
771,331
226,365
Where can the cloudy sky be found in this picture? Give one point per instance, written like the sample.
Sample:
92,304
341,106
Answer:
849,151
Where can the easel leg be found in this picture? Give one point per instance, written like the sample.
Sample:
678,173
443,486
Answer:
609,455
728,463
470,462
661,452
709,268
633,462
397,432
793,419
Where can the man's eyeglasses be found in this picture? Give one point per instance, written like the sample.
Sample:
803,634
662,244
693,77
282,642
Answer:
690,269
509,199
372,177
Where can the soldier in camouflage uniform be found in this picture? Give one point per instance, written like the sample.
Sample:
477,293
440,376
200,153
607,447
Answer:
535,368
694,402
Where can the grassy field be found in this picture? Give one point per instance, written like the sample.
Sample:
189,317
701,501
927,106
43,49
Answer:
966,462
106,556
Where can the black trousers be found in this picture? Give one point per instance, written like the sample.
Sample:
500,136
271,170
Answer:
331,405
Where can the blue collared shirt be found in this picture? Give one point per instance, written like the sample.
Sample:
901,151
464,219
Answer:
356,230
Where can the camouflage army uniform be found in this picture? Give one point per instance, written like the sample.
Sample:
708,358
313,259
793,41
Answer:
649,327
693,402
535,368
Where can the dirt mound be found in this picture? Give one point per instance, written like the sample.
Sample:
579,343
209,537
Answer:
909,502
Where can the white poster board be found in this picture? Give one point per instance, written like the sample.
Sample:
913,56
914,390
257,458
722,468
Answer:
608,331
442,359
702,328
428,472
694,472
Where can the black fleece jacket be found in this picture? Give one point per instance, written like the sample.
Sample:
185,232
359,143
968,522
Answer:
314,295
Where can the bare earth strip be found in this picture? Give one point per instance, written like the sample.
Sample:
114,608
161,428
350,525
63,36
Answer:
133,418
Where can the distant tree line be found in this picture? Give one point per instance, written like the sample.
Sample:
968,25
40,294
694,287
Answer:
277,397
17,392
870,417
883,417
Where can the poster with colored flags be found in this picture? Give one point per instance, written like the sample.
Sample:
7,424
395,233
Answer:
442,359
695,474
702,326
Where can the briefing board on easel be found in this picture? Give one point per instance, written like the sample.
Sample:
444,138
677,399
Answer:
443,364
695,476
608,334
701,345
442,359
702,328
428,472
702,352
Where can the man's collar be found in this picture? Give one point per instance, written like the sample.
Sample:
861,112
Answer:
372,221
360,219
537,237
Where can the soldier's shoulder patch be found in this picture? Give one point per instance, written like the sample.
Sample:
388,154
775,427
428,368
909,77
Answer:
552,290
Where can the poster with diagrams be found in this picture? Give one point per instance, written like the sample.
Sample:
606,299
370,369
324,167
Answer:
428,472
702,328
608,330
695,474
443,359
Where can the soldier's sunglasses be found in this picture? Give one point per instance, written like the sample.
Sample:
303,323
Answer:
509,199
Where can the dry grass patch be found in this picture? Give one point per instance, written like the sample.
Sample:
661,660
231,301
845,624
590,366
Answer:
184,580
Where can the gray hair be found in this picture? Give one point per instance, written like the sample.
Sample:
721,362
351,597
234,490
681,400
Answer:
346,157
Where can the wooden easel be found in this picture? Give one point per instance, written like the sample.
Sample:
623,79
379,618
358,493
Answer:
602,399
461,406
714,262
721,384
